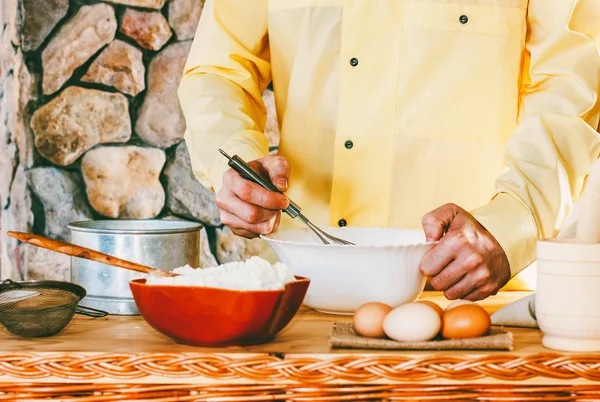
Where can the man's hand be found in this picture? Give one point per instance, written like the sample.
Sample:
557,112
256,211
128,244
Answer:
467,262
247,208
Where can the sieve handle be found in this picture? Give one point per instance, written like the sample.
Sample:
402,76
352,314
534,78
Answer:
85,253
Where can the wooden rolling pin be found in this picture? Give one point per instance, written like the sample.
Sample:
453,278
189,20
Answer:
86,253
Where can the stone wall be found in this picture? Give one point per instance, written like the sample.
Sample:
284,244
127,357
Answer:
91,127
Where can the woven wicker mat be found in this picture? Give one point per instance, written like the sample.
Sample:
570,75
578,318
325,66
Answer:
344,336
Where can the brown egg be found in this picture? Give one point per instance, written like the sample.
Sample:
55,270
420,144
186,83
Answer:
368,319
465,321
433,305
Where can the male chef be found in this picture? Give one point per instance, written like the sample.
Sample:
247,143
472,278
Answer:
473,119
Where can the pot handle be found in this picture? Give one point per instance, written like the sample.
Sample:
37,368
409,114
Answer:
90,312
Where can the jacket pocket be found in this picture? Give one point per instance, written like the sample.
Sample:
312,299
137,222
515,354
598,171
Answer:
460,68
500,17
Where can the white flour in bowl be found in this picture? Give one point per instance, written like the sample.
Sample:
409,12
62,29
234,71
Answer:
253,274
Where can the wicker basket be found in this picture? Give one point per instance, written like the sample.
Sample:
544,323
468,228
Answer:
256,393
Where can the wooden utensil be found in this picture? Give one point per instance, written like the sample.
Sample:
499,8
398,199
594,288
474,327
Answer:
83,252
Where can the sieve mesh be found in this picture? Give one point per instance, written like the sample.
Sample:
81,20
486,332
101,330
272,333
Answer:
38,308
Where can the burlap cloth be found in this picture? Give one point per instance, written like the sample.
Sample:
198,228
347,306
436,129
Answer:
344,336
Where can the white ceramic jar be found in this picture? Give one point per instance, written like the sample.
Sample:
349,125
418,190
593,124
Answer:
567,301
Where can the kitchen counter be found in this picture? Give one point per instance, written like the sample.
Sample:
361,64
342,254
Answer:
123,358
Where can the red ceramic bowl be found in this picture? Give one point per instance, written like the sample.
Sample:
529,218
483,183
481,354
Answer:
211,317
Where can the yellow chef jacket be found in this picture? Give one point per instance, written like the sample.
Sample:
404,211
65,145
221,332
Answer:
390,108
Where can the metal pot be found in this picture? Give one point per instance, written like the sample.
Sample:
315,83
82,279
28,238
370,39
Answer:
162,244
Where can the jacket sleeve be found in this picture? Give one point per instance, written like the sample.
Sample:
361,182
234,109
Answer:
555,144
227,70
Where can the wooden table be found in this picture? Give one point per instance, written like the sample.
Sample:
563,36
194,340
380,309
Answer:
122,358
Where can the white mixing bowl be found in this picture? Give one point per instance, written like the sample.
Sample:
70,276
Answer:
383,266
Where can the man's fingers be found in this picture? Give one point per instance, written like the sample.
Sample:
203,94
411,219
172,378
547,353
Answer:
436,259
459,290
247,212
247,208
235,223
467,262
278,169
481,293
441,254
277,221
470,283
448,276
243,233
253,193
436,222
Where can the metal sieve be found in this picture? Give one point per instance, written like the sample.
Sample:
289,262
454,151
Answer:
34,309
